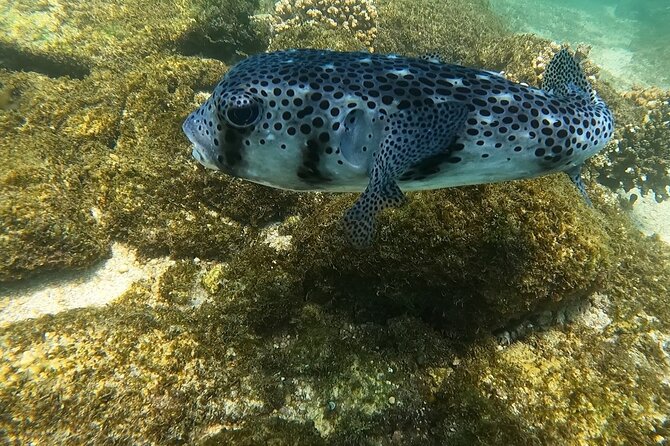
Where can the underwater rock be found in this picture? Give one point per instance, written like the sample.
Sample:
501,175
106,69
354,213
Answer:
258,361
93,160
412,28
50,139
404,27
282,334
469,258
69,38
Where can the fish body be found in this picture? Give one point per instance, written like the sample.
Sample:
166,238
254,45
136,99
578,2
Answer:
315,120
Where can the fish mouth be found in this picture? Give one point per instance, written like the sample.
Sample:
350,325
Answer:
198,151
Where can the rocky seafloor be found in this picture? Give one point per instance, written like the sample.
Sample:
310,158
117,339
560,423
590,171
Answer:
238,314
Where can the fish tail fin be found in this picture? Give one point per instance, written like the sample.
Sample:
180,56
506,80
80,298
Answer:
564,75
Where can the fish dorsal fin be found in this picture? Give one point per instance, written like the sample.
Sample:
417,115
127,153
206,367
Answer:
564,76
433,57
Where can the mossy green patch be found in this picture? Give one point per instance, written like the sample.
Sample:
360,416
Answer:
457,29
104,157
177,283
49,171
468,257
324,375
314,36
50,36
300,339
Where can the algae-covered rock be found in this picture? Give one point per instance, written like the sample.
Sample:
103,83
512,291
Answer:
155,195
104,157
52,138
69,38
260,362
457,29
314,36
82,158
468,257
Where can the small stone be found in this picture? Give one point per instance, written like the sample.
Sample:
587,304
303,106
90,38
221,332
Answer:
391,400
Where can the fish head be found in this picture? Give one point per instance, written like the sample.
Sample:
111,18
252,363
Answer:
224,128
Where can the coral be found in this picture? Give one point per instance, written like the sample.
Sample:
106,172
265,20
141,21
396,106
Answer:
356,18
458,30
640,155
79,168
314,36
524,57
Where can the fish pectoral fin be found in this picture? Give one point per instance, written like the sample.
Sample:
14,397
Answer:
359,220
575,174
411,136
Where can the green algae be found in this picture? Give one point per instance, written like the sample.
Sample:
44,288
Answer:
480,256
176,285
111,34
104,158
406,27
313,36
458,29
324,375
48,173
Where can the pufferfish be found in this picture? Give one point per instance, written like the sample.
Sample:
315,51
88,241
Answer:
316,120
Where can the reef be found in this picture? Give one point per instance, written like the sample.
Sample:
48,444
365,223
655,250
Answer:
399,26
640,157
268,327
85,158
70,38
268,356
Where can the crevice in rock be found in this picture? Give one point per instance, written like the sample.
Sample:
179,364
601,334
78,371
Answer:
15,59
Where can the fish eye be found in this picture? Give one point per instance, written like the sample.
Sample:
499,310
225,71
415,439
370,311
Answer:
244,115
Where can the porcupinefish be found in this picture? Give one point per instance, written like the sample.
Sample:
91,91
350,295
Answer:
313,120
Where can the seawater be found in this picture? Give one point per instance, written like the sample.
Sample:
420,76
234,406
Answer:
629,38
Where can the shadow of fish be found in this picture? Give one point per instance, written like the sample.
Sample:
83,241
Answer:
350,121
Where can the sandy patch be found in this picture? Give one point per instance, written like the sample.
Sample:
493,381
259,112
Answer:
58,292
